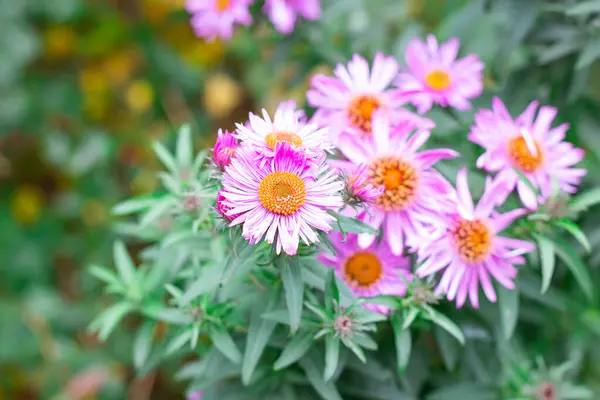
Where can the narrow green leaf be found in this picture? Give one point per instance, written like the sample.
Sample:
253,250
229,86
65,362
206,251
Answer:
159,209
449,348
134,205
440,319
590,53
575,232
104,275
178,341
123,263
546,248
568,255
225,344
353,225
106,322
355,348
317,310
409,317
294,350
508,301
142,344
171,315
403,342
584,7
332,293
259,333
332,356
585,200
326,390
208,280
365,341
386,300
185,149
165,157
293,284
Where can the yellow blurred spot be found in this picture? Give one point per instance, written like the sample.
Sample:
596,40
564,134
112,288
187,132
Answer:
203,54
93,80
118,67
144,182
96,106
221,95
414,8
59,41
139,96
93,212
157,10
26,204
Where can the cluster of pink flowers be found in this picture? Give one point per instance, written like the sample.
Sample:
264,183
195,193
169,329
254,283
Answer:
217,18
279,184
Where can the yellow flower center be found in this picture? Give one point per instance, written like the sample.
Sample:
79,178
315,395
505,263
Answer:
222,4
278,137
473,240
399,180
521,155
282,193
438,80
362,269
361,111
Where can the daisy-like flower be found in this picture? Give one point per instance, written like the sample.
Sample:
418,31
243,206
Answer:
414,193
359,189
216,18
225,148
368,272
346,102
434,75
469,248
283,13
263,134
530,145
223,209
284,199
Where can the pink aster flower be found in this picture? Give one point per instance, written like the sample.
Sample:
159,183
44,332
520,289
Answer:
283,13
216,18
346,102
225,148
434,75
368,272
414,193
529,145
197,395
469,249
263,134
287,197
359,188
223,209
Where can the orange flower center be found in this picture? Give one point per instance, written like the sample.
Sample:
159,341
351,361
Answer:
438,80
278,137
362,269
473,240
399,180
282,193
361,111
222,4
521,155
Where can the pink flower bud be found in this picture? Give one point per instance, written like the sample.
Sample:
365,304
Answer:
225,148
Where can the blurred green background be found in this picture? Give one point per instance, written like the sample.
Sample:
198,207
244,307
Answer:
87,85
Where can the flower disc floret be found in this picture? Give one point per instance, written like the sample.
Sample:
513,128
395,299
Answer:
282,193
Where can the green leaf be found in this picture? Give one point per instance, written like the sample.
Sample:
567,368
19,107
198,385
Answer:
403,342
142,344
134,205
546,248
568,255
165,157
449,348
106,322
123,263
321,313
225,344
352,345
170,315
208,280
585,200
185,148
386,300
293,284
105,275
575,232
409,317
326,390
583,8
159,209
259,333
332,293
444,322
352,225
294,350
332,356
508,302
590,53
178,341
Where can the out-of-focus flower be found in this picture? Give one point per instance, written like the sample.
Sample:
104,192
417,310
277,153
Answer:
359,189
119,66
221,95
59,41
157,10
139,96
529,145
27,202
283,13
368,272
414,193
195,396
225,148
468,247
346,102
434,75
287,198
264,135
216,18
92,80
